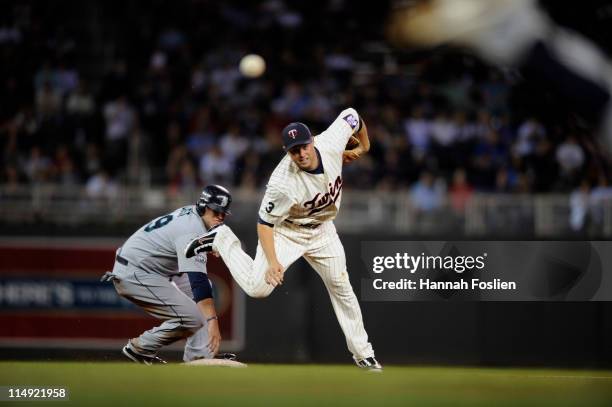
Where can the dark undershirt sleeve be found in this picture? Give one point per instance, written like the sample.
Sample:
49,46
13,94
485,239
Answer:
200,286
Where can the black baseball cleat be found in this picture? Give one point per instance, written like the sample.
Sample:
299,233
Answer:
370,364
226,356
202,243
138,358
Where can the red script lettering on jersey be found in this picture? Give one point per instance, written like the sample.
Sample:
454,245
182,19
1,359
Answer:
322,201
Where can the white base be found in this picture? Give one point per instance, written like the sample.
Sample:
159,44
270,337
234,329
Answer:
215,362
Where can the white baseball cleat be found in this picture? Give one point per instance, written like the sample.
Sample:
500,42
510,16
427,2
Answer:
370,364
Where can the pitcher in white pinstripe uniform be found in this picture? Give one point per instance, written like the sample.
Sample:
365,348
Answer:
296,220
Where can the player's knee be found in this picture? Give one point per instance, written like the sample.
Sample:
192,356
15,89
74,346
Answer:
261,291
258,294
340,286
192,323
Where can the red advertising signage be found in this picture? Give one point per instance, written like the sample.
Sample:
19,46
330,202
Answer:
51,296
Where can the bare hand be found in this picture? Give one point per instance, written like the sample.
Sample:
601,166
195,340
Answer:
349,156
275,274
214,336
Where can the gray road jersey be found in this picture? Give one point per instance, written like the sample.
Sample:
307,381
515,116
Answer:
159,245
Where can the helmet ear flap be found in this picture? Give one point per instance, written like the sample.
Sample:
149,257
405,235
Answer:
200,208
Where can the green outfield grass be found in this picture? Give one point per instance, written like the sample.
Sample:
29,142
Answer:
114,384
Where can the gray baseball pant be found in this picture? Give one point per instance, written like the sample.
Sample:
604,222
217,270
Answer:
170,301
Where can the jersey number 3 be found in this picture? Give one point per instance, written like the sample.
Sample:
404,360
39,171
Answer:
269,207
158,223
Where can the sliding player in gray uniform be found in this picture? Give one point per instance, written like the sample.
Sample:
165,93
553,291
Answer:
296,219
152,271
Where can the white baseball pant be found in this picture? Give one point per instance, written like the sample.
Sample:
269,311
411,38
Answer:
322,249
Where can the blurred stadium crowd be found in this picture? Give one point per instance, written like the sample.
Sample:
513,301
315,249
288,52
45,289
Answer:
106,95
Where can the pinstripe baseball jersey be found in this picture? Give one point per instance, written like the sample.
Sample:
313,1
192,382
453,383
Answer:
158,246
304,197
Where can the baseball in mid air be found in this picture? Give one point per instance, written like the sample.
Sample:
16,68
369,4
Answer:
252,66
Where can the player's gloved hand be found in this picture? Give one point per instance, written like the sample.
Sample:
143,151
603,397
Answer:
214,336
275,274
351,155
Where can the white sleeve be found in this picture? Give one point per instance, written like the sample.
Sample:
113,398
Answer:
275,206
345,125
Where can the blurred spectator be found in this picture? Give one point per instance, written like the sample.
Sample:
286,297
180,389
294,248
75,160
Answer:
45,76
137,156
80,101
225,78
460,191
489,155
11,180
579,207
186,179
178,154
158,62
120,119
529,134
482,126
444,134
93,160
102,187
443,131
321,107
66,79
418,129
601,196
505,180
232,144
216,168
523,183
37,166
427,194
48,102
544,167
201,139
495,93
570,157
292,103
65,170
199,79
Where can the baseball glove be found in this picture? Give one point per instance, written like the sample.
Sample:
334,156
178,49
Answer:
350,154
352,144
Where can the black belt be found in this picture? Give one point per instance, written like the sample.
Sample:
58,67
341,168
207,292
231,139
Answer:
121,260
307,225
